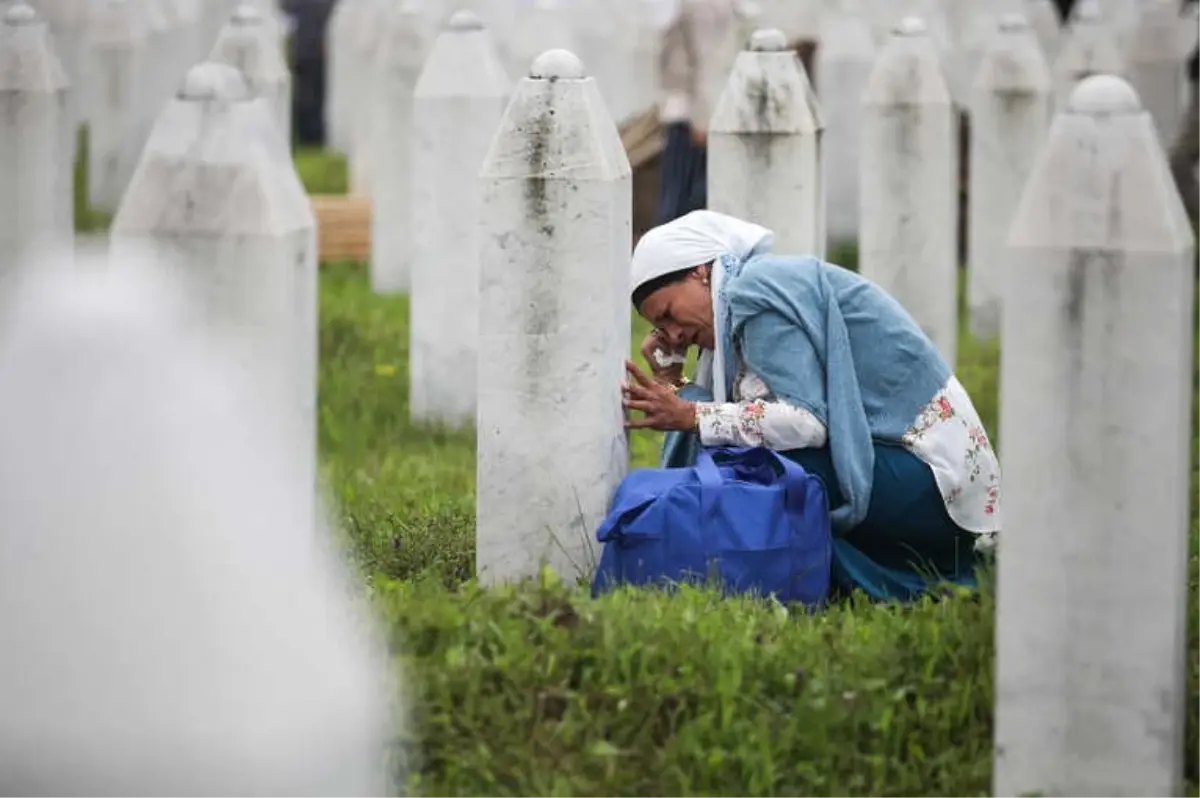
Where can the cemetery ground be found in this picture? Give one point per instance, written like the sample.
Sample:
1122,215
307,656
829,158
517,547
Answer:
540,690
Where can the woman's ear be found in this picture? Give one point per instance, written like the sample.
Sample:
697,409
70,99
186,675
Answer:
703,272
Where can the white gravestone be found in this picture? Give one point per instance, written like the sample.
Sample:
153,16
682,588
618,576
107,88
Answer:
215,199
35,177
1089,47
458,103
1155,66
400,58
764,146
339,45
554,325
1095,413
1044,19
909,179
843,66
1010,116
68,21
116,99
250,44
372,23
160,78
166,630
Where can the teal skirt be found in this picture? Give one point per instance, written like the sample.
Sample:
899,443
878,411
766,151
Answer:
906,545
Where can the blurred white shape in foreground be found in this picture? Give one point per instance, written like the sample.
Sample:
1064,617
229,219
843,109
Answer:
165,629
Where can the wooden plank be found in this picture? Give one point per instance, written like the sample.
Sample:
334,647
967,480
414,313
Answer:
343,226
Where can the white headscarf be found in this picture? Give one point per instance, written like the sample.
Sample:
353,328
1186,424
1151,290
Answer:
693,240
687,242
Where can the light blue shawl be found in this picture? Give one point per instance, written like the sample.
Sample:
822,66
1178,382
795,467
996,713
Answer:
825,339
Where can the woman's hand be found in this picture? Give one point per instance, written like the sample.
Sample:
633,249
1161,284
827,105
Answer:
653,346
664,410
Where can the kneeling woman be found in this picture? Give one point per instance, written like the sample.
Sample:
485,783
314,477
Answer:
825,367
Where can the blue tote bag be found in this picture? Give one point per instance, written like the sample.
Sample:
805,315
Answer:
755,521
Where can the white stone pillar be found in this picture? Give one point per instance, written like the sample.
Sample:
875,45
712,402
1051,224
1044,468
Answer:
908,190
372,24
191,33
1044,19
214,200
458,103
401,56
843,66
36,182
117,102
1154,63
250,44
339,71
1095,413
1010,116
175,56
764,146
554,326
151,531
1089,47
67,20
159,79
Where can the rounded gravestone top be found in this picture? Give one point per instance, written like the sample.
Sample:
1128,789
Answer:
212,81
246,14
768,40
911,26
465,20
1098,95
1013,22
20,14
557,65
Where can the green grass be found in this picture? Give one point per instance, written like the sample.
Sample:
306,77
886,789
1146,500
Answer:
321,172
541,690
538,689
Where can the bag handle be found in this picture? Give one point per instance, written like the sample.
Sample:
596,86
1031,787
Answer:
794,477
710,481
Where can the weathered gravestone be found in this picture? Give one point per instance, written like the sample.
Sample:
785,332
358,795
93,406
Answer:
1089,47
216,199
459,100
36,208
1010,116
168,628
1095,412
119,83
398,63
764,146
554,325
1154,60
907,190
843,66
249,42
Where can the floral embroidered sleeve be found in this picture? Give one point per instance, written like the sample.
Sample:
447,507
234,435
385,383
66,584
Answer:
759,422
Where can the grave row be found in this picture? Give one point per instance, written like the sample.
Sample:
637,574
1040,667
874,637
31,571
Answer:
524,229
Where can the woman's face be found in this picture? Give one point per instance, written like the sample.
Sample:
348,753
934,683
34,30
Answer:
682,311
